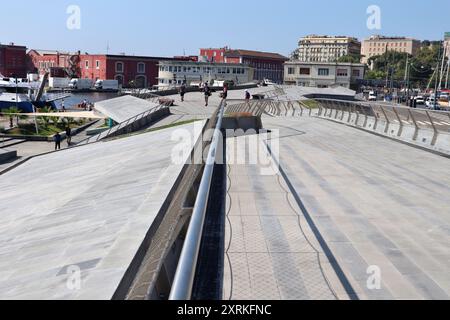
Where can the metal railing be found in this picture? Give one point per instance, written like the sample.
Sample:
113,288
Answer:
121,126
394,119
270,107
184,276
438,121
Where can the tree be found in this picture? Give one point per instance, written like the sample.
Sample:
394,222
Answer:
350,58
45,120
375,75
11,112
421,66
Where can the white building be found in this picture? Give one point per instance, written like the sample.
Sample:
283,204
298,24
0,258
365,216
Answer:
173,73
315,48
378,45
447,43
323,74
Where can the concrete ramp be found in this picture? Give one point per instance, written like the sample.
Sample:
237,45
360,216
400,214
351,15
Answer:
123,108
71,222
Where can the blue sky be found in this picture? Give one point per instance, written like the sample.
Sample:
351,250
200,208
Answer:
170,27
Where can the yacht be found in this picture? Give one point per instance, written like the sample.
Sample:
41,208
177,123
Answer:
22,94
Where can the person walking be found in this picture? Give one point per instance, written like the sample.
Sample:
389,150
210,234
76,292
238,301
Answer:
225,91
247,96
69,135
207,93
183,91
57,138
63,106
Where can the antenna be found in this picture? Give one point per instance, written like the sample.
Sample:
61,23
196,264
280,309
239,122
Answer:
107,47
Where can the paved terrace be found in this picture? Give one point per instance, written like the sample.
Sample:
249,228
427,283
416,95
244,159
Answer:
345,200
89,206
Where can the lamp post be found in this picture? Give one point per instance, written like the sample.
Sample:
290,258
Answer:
437,78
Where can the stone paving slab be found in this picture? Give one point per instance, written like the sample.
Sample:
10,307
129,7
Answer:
269,253
376,202
89,208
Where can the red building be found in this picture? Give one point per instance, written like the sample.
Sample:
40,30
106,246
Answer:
138,71
267,65
59,64
13,61
213,54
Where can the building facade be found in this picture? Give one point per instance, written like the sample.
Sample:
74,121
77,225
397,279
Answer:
13,61
323,74
173,73
447,43
59,64
314,48
266,65
130,71
216,55
378,45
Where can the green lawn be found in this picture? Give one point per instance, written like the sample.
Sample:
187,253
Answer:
311,103
29,129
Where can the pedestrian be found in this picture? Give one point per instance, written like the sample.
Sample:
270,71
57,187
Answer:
57,139
183,91
225,91
247,96
69,135
207,92
63,106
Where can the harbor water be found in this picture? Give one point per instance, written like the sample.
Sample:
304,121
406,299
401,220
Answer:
91,97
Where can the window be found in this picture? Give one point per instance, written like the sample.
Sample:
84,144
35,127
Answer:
97,64
86,64
119,66
141,67
305,71
324,72
291,70
356,73
342,72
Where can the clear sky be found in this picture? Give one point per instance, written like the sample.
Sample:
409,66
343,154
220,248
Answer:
172,27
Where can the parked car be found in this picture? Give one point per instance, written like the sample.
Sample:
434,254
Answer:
420,100
430,103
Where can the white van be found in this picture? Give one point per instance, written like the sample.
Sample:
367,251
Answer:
80,84
107,85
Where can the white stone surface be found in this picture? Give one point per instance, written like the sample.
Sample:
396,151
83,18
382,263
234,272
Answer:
376,202
123,108
90,207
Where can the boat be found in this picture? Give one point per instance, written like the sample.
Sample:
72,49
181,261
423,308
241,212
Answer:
21,94
12,94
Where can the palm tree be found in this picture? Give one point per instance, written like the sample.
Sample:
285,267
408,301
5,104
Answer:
45,120
11,112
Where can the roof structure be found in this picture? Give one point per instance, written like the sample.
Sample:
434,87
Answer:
123,108
257,54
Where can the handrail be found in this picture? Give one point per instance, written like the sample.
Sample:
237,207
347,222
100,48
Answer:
124,124
184,276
